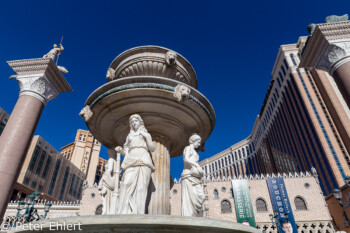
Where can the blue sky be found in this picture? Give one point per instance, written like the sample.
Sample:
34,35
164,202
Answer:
231,45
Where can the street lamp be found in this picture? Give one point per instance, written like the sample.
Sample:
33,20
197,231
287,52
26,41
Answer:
30,213
338,196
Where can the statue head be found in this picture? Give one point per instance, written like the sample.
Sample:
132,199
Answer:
181,92
136,123
196,140
55,46
170,58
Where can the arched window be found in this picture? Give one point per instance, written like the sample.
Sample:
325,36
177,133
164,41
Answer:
98,210
260,205
300,203
235,155
225,207
216,194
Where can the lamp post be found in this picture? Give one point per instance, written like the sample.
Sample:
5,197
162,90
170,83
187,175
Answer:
338,196
275,219
31,213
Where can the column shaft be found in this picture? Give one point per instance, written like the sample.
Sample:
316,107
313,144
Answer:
342,78
159,189
14,143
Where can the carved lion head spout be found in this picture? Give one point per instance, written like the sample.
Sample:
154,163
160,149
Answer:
181,92
86,113
110,74
170,58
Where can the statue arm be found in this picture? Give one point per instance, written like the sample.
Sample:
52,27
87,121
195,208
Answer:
148,140
120,150
110,166
124,150
187,155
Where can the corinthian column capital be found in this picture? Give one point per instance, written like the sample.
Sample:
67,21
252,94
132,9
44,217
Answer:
333,55
39,78
37,86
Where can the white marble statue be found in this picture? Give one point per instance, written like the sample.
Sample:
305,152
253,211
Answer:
137,166
107,183
192,191
56,52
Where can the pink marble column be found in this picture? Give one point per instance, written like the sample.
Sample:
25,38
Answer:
14,143
39,81
342,78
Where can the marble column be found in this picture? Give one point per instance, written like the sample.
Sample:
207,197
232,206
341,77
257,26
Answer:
336,59
159,190
328,48
39,81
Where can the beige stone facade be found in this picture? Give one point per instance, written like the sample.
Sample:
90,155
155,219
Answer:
84,154
298,185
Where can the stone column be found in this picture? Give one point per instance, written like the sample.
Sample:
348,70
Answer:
39,81
159,190
340,68
329,49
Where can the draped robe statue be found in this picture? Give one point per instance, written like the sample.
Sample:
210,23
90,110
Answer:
192,191
137,166
107,183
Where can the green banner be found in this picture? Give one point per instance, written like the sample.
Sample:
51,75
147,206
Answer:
243,202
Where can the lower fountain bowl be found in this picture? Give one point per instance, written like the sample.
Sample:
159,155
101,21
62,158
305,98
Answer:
134,223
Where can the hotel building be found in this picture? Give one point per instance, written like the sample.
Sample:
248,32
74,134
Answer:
45,171
4,116
100,169
84,154
303,123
